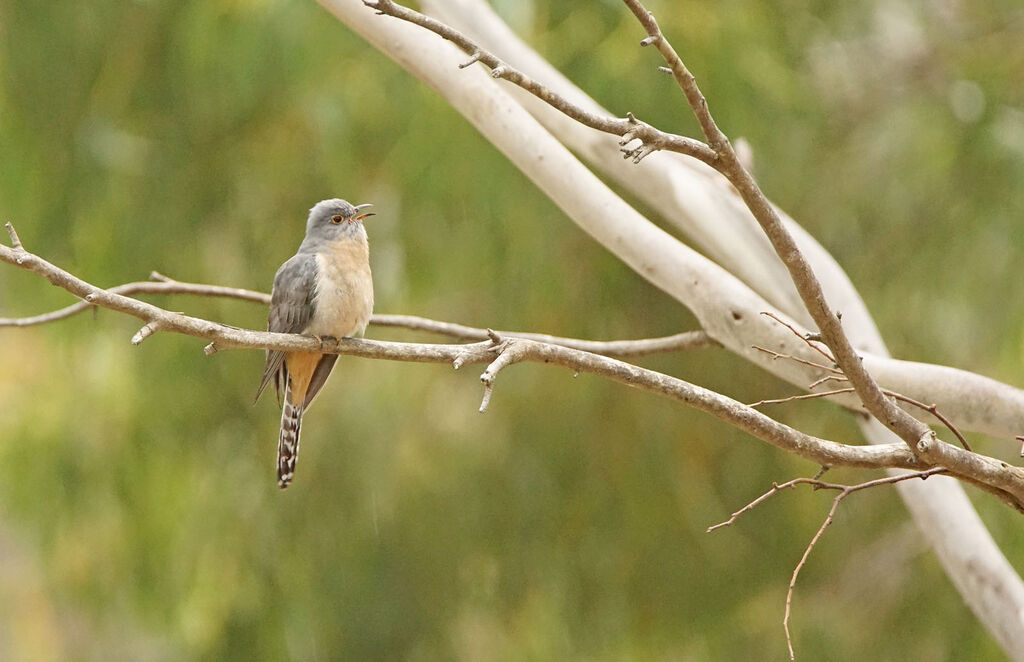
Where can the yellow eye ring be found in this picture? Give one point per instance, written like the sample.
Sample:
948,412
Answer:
337,218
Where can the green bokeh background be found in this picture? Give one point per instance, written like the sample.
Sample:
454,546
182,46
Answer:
139,516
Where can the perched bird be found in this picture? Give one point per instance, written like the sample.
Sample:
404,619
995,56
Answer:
324,290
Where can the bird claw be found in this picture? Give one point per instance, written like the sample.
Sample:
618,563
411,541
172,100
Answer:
325,339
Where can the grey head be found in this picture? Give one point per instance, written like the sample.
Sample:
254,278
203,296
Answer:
334,219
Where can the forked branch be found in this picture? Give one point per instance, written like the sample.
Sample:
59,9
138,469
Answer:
817,484
629,128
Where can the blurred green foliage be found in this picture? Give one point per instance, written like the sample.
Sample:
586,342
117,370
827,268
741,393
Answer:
141,519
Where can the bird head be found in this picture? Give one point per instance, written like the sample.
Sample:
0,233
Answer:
334,219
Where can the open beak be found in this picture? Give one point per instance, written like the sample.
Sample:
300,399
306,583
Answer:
360,208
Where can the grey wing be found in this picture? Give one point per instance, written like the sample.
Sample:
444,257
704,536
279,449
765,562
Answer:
291,309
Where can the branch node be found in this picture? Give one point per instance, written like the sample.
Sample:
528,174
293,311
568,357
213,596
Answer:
643,152
493,335
211,349
486,400
159,277
631,118
15,241
653,39
665,70
90,297
499,71
924,444
146,331
473,59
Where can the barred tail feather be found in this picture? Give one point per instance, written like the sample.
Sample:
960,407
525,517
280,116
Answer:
288,442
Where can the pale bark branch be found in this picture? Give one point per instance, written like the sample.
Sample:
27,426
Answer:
164,285
992,475
811,292
911,430
693,197
629,128
725,161
498,352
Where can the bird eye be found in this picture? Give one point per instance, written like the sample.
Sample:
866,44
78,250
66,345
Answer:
337,218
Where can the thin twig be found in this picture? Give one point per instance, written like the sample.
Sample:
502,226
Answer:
777,355
805,337
15,241
802,396
827,378
161,284
931,409
815,483
845,491
652,138
776,488
934,411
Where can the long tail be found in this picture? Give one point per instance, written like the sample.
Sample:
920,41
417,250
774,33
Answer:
288,441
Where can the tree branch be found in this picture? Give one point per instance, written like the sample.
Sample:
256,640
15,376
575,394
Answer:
498,352
903,424
629,128
694,198
815,483
828,321
161,284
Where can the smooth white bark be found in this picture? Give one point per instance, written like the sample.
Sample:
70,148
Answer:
698,201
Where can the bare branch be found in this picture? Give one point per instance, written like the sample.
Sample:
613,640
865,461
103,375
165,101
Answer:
828,321
845,491
776,488
815,483
504,350
15,242
802,396
161,284
834,372
146,331
689,195
652,138
808,338
702,204
618,348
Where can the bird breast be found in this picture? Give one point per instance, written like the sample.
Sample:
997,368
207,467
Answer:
343,299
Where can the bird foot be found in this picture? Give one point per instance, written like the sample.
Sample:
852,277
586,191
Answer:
323,339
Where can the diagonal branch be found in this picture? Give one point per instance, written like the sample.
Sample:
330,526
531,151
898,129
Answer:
828,321
908,428
629,128
705,207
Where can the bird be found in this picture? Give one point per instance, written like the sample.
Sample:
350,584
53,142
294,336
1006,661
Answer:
324,290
